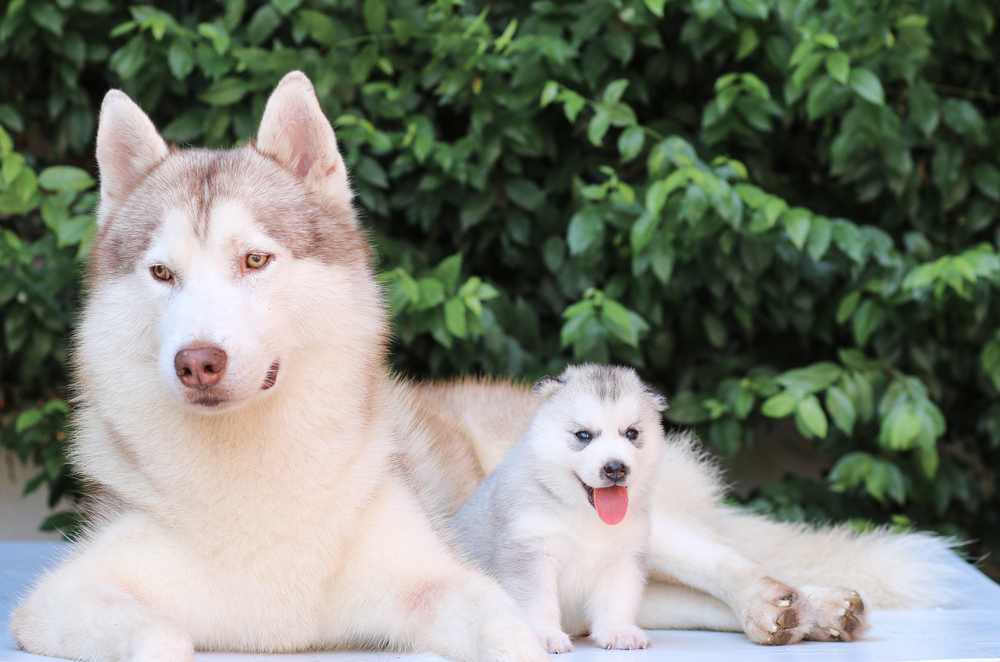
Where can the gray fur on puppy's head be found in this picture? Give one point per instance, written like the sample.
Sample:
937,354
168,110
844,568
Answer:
609,380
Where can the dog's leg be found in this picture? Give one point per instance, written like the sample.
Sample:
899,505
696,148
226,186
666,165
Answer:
613,604
412,593
530,578
75,615
676,607
769,611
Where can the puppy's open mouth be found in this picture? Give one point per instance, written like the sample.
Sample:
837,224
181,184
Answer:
271,377
611,503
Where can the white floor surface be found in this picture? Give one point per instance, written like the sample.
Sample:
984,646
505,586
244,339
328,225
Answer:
970,631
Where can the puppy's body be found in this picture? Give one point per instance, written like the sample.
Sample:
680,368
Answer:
564,521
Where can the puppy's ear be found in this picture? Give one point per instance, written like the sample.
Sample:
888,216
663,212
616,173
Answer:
546,386
658,400
295,132
128,147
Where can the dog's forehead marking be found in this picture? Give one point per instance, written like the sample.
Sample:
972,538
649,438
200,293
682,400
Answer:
195,181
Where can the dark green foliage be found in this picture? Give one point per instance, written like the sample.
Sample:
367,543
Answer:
772,208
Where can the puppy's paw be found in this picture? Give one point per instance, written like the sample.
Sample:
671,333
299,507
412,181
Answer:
627,637
555,641
840,614
775,615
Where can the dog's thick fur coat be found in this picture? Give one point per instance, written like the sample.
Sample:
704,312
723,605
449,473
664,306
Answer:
263,484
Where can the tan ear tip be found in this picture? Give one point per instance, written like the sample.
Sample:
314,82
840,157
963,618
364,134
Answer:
295,78
113,97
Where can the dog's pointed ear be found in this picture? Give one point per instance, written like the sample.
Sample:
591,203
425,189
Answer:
546,386
295,132
128,147
658,400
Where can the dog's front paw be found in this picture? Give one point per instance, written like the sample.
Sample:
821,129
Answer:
555,641
840,614
776,615
624,638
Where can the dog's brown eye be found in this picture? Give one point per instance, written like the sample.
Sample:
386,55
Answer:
257,260
160,272
632,434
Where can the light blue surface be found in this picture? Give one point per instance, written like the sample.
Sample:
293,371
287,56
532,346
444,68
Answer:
970,631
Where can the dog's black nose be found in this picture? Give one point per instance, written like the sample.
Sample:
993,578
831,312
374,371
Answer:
615,470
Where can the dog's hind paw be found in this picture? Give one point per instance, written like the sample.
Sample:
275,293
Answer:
777,615
555,641
840,614
627,638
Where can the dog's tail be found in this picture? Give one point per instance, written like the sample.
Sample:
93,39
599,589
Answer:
890,570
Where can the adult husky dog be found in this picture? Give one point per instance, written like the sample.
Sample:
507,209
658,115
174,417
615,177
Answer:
262,482
564,521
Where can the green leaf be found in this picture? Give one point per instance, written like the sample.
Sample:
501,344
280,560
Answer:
129,59
263,24
987,178
825,96
375,15
686,408
867,85
715,330
811,378
924,107
797,222
847,306
180,59
904,430
780,405
586,229
524,193
219,37
809,415
226,92
820,236
841,410
549,93
47,16
65,178
838,65
286,7
454,317
321,27
867,320
614,91
448,271
598,127
631,142
616,319
656,7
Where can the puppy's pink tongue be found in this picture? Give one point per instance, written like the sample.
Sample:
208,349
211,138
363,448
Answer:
611,503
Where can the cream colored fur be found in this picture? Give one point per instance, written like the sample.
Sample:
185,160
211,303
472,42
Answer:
298,506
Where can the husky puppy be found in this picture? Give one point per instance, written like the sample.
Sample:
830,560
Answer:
564,521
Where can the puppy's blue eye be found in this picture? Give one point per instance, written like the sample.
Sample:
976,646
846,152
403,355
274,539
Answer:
631,434
583,435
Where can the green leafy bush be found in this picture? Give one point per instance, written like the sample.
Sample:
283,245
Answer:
775,209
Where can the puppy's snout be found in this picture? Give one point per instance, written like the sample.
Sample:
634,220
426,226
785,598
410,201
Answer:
615,471
200,367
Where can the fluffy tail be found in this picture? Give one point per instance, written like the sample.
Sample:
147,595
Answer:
889,570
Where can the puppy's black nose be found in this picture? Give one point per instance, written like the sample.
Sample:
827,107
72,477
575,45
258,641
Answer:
615,470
